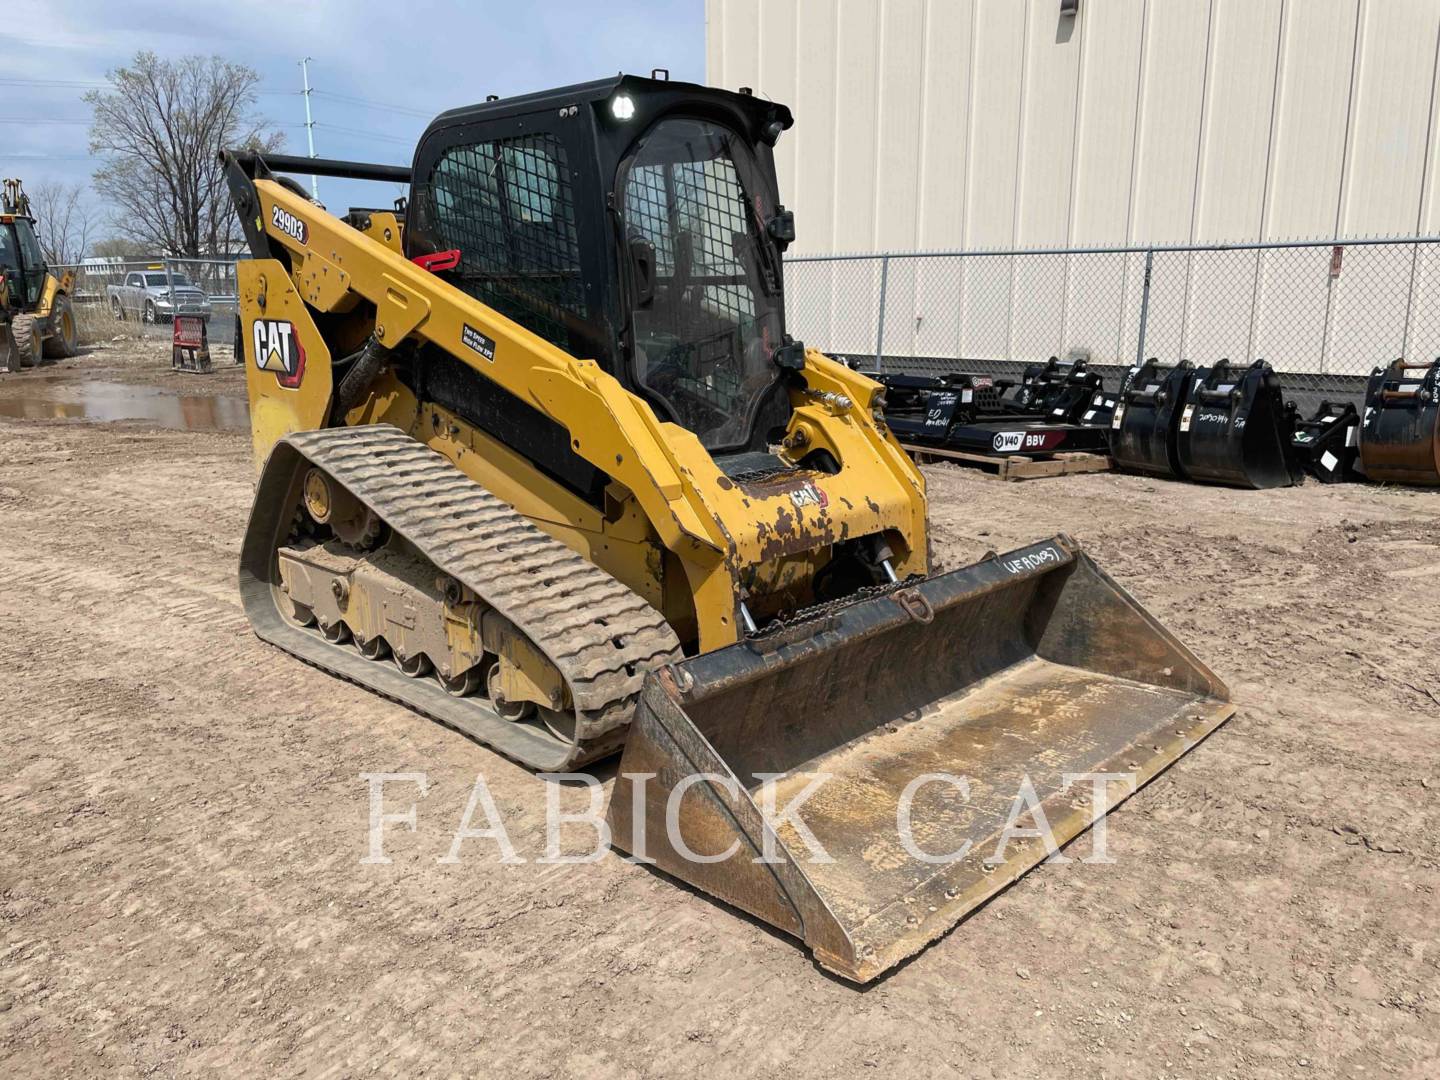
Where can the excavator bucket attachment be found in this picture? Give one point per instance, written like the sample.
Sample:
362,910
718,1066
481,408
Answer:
1143,428
1234,429
905,732
1400,435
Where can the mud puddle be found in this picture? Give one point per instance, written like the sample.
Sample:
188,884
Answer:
107,401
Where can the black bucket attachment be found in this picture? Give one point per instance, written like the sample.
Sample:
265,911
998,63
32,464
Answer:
1144,428
1328,443
927,409
1057,391
914,721
1400,436
1234,428
1100,411
1073,387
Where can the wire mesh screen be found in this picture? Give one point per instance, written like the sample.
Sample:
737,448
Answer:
686,214
507,206
691,213
1324,315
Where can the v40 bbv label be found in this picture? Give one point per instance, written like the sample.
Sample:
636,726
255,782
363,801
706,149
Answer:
278,349
1007,442
290,225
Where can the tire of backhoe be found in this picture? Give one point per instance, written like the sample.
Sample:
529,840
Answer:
26,336
64,339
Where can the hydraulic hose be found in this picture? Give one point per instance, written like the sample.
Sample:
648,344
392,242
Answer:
363,367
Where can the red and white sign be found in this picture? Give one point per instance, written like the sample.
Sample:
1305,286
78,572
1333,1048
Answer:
190,344
189,331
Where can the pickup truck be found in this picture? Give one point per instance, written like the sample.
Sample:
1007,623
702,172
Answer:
146,295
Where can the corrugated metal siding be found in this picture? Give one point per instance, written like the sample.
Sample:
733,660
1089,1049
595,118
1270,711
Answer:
943,124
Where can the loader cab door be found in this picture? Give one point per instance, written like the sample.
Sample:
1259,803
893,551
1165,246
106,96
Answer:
10,262
21,262
32,261
704,278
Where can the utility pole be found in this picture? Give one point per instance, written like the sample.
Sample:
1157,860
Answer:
309,122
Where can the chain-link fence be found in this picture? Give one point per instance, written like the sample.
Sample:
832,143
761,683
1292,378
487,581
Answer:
1323,314
114,297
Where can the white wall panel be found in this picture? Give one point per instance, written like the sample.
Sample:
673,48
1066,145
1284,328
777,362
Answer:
1172,94
1108,108
944,172
946,122
857,106
1390,124
1235,134
961,82
780,59
897,162
1230,187
1047,143
1104,160
1385,170
1312,117
997,80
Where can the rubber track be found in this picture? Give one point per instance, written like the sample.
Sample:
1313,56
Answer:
602,636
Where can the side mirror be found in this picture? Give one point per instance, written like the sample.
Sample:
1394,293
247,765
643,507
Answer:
642,270
781,227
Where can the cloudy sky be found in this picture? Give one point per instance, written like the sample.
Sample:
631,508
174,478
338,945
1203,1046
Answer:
413,57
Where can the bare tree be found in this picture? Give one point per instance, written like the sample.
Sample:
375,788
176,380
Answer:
63,220
163,123
118,247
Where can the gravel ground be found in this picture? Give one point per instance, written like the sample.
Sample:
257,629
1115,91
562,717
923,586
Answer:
183,818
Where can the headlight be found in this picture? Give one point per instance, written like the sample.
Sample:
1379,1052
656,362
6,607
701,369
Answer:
622,107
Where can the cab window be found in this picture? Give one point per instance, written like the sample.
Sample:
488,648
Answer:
30,247
507,205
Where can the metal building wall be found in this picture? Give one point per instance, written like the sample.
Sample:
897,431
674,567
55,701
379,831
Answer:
945,124
974,124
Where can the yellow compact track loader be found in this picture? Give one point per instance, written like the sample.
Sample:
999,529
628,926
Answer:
538,458
37,320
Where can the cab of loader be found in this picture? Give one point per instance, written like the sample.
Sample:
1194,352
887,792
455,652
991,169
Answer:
632,221
22,263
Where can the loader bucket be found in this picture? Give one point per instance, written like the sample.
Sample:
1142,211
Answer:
1025,667
1400,435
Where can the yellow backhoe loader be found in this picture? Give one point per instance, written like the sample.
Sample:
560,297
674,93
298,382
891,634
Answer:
538,458
37,320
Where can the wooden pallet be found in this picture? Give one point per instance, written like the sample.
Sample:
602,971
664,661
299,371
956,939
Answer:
1017,466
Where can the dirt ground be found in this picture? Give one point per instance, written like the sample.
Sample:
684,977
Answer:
183,818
